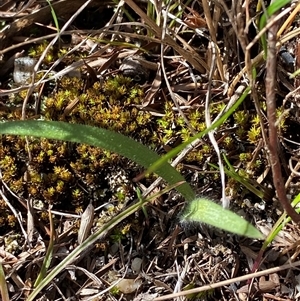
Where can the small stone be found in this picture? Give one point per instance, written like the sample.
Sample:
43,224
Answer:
128,286
136,265
132,67
23,70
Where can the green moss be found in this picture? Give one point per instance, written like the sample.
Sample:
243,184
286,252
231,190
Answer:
229,143
281,118
245,157
69,175
254,134
241,118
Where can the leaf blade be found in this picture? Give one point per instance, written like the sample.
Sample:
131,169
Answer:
115,142
205,211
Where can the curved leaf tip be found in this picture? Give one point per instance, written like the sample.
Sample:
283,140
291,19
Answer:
205,211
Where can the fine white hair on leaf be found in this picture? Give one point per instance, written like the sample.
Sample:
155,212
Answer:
203,210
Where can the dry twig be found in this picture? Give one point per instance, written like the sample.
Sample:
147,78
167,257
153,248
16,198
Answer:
271,112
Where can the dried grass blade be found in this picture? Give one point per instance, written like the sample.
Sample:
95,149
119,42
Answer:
86,223
154,88
208,122
30,221
191,56
3,285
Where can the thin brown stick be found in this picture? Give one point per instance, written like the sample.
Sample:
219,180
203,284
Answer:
271,113
229,281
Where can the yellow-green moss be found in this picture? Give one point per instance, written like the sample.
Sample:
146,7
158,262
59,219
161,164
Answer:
69,175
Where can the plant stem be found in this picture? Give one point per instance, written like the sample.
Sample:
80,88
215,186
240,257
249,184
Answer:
271,112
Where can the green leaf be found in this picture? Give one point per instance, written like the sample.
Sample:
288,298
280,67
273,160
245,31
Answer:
49,254
54,16
205,211
248,183
271,10
102,138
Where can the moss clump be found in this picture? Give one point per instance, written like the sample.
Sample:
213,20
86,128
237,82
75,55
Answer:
111,105
69,175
